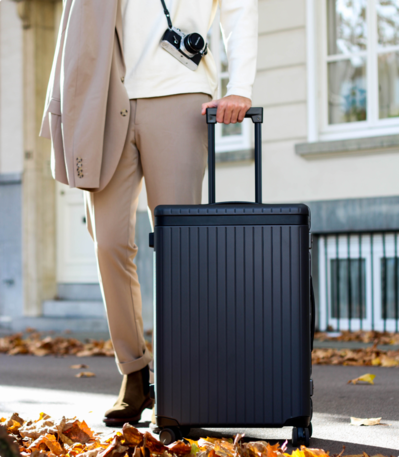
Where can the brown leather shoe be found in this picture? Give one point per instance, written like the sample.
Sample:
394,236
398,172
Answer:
134,398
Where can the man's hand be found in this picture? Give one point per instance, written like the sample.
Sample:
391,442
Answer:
231,109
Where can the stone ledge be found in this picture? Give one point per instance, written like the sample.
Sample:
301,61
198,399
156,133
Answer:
235,156
10,178
352,145
73,309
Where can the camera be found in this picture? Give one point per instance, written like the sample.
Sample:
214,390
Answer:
186,48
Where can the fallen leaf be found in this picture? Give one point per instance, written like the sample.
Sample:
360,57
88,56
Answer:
78,432
85,374
364,378
388,362
180,448
155,446
132,436
53,444
78,367
372,421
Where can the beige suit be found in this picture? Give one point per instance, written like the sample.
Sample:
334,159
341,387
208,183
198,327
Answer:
104,143
87,107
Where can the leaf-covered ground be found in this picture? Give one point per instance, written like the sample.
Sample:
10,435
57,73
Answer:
361,336
46,437
34,343
370,356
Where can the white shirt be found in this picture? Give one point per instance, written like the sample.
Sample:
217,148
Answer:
153,72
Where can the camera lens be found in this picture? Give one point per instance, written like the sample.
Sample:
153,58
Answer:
194,43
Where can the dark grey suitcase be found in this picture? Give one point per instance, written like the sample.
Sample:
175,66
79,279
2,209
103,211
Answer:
233,320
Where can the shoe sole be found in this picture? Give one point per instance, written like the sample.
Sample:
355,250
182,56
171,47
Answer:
112,422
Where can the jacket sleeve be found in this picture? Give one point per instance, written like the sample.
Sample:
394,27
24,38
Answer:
85,74
239,22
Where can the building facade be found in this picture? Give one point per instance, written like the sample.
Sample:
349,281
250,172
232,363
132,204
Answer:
328,80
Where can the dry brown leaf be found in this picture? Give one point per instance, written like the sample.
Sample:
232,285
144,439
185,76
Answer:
180,448
388,361
115,447
372,421
132,436
85,374
78,367
154,446
78,432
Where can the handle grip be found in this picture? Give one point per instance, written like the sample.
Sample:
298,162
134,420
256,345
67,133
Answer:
256,114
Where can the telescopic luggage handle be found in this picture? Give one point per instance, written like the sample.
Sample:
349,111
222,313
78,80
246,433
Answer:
256,114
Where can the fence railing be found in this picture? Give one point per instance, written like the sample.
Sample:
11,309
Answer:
358,281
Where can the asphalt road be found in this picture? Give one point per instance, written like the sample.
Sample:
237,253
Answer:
30,385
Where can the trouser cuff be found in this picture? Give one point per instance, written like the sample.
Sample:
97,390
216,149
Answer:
135,365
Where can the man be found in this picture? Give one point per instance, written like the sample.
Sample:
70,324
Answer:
165,140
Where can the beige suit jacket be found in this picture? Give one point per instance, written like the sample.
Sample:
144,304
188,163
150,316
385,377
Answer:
86,114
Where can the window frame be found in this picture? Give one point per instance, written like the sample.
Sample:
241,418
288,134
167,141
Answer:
318,127
232,143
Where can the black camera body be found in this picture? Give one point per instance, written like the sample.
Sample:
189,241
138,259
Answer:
186,48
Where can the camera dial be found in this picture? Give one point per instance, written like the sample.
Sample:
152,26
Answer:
194,43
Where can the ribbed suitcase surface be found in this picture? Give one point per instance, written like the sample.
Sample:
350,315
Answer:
232,317
232,311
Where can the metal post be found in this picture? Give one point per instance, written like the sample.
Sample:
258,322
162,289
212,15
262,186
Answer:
326,280
372,280
360,290
349,284
337,283
396,284
384,283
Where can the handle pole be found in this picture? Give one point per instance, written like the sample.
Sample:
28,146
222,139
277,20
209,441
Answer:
258,163
211,164
256,114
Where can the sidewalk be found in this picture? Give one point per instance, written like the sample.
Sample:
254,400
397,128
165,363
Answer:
30,385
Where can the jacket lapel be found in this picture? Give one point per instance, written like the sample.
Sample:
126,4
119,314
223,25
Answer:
119,30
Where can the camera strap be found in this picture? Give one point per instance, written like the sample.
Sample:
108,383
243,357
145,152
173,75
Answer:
167,14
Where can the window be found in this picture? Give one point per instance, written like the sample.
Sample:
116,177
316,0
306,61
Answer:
232,137
360,66
358,281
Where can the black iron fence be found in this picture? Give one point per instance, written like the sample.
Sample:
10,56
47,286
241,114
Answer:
358,281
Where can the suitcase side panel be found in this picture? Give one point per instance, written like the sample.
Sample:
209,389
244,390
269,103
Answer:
232,324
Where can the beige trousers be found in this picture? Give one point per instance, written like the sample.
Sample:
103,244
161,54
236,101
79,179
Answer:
166,143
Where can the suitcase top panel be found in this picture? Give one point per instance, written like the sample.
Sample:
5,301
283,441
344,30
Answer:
233,208
236,213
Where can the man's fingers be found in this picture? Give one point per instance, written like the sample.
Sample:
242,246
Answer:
220,112
228,113
242,112
234,114
212,104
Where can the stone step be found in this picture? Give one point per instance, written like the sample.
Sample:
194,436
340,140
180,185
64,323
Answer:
73,308
59,324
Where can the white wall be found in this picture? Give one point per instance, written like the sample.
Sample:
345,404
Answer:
11,89
280,87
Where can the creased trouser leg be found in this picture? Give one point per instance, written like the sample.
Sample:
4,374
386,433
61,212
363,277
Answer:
166,139
112,214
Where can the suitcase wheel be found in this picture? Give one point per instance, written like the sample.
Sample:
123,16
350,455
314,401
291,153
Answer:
170,435
301,435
